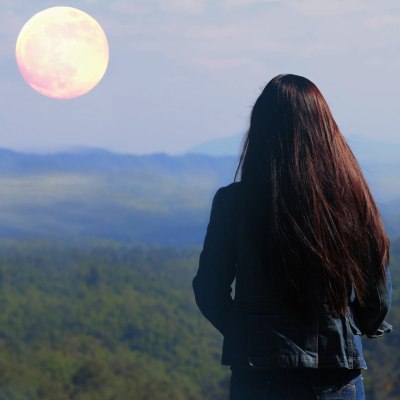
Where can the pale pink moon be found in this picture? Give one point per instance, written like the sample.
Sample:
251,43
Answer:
62,52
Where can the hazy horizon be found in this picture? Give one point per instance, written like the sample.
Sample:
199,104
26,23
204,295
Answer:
384,150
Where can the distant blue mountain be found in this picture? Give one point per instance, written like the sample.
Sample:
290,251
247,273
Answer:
375,151
367,150
157,199
227,146
148,199
379,159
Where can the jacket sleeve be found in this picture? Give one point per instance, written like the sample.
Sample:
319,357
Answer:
212,284
370,316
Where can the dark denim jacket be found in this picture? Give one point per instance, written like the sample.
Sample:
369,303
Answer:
262,327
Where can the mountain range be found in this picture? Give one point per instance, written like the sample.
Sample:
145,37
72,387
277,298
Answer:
147,199
151,199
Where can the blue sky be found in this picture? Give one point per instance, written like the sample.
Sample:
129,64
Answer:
183,72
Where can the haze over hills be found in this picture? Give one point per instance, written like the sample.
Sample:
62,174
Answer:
226,146
147,199
379,159
365,149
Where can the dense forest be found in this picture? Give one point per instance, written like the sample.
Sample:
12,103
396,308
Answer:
103,321
106,320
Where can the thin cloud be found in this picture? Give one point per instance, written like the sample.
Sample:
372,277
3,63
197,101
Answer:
223,63
246,3
383,21
216,32
184,6
130,8
331,7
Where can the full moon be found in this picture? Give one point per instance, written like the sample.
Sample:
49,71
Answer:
62,52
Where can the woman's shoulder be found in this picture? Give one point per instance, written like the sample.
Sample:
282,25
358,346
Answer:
226,198
233,189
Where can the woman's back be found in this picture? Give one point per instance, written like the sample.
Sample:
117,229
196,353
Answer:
301,235
266,324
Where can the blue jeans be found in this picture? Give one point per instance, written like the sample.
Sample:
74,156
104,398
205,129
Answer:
296,384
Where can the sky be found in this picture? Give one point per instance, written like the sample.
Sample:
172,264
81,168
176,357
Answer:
183,72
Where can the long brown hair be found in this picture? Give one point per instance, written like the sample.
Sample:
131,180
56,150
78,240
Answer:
308,196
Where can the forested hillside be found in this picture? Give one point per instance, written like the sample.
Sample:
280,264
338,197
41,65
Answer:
104,320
